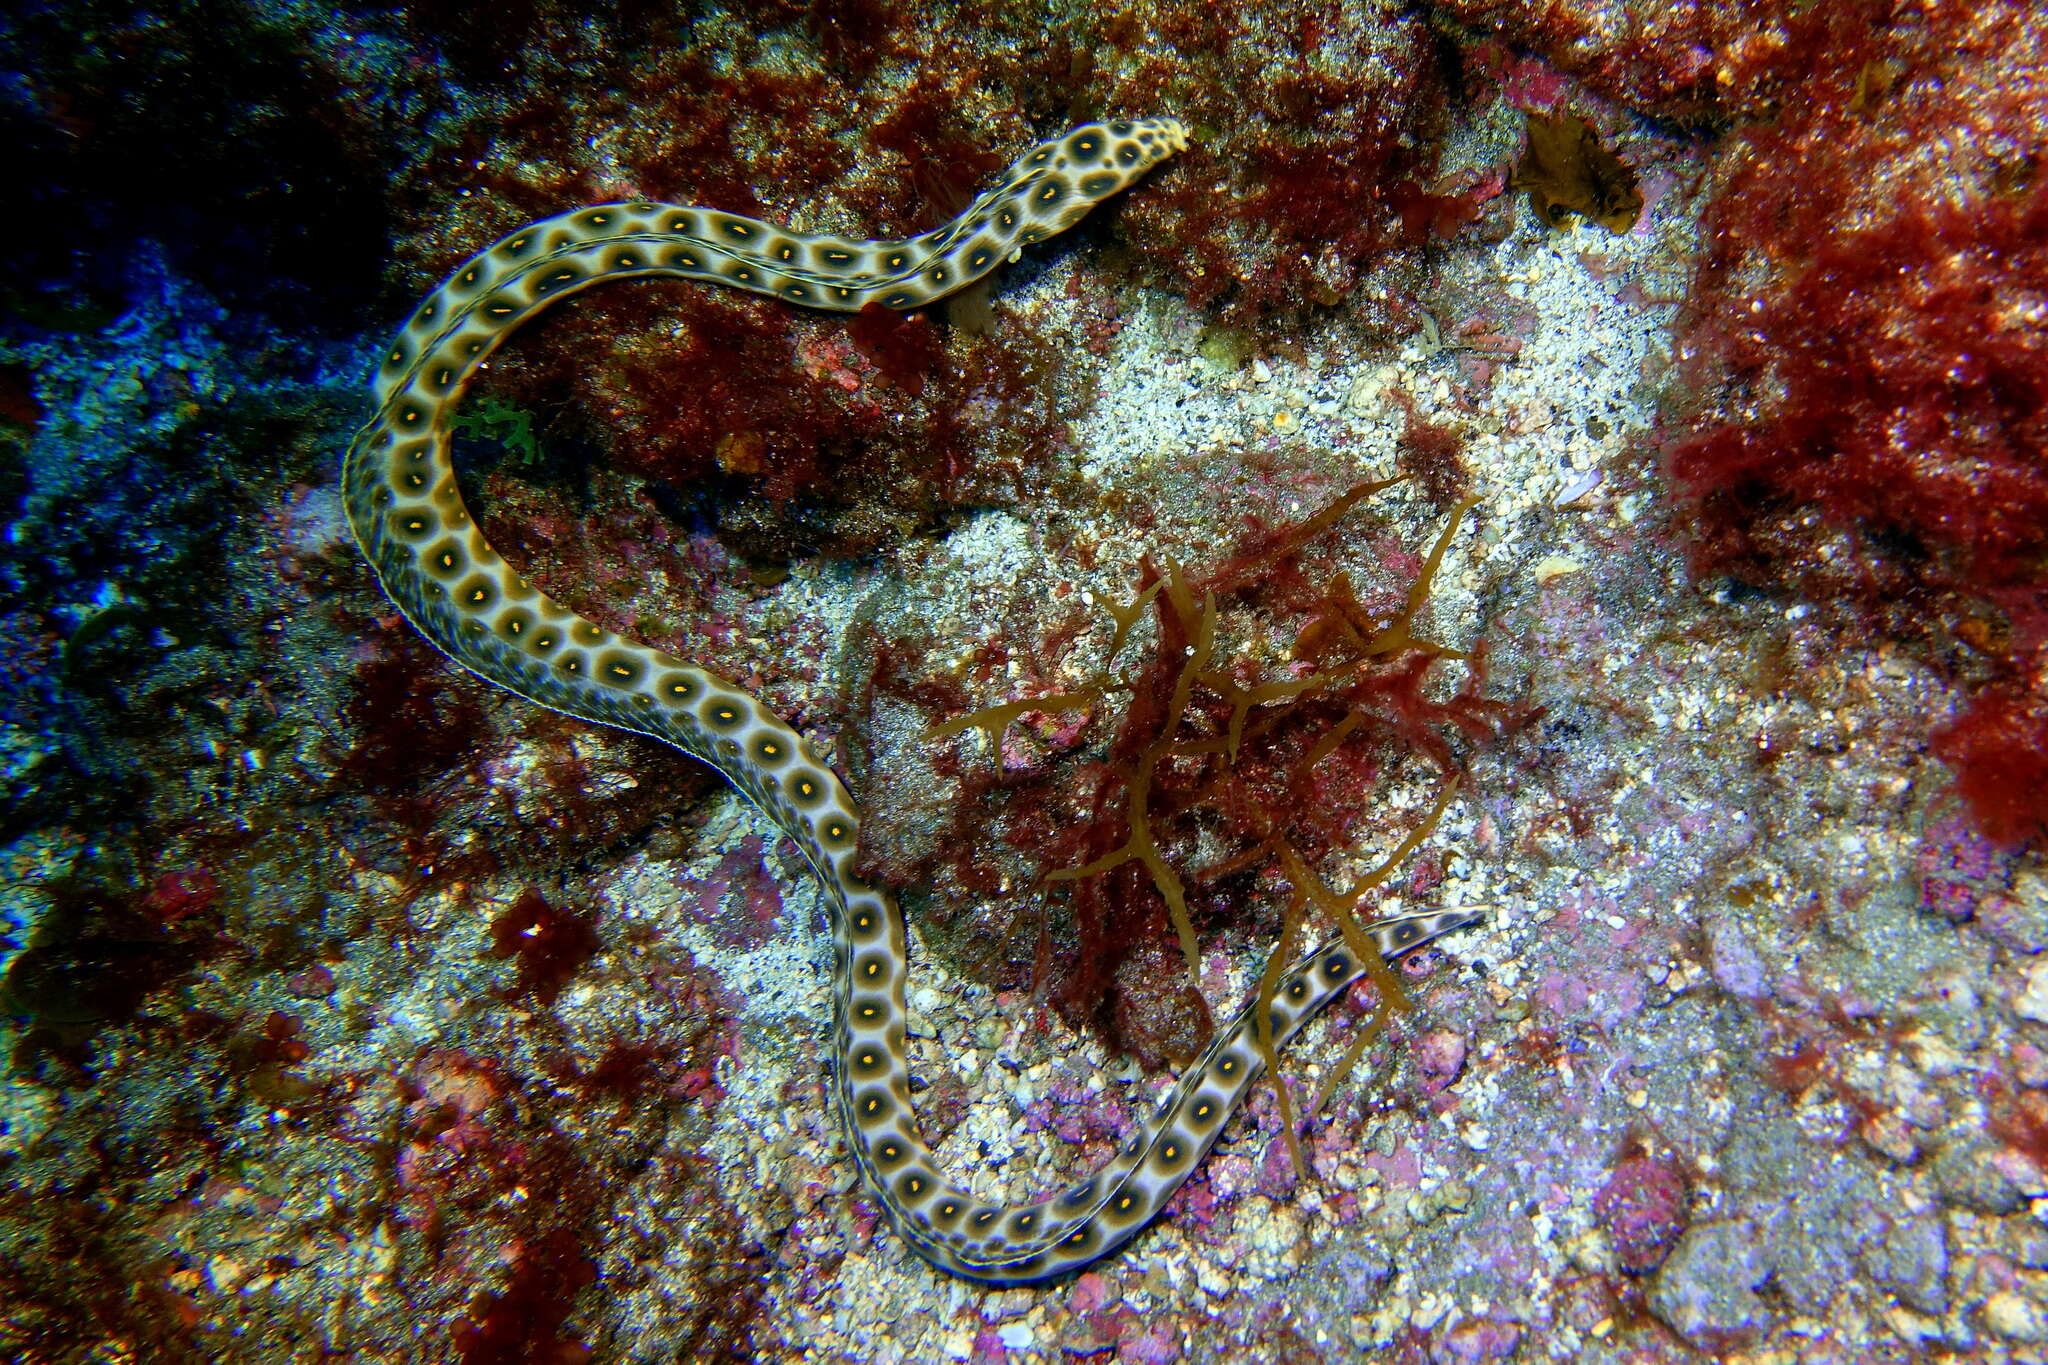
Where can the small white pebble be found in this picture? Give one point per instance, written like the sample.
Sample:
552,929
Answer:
2032,1001
2014,1318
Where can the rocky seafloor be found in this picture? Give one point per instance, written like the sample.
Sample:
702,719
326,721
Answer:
361,1011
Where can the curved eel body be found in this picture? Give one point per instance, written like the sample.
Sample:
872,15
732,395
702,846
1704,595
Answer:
400,493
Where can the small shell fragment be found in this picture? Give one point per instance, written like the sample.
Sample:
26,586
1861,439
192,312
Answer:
1578,488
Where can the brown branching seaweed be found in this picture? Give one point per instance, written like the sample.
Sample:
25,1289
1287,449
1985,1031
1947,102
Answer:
1201,748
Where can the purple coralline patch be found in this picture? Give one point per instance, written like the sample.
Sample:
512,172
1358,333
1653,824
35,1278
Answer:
1401,1168
1077,1115
1473,1343
742,901
1643,1208
1277,1176
1440,1058
1563,994
1232,1176
2018,923
1959,868
1734,962
1090,1292
1156,1347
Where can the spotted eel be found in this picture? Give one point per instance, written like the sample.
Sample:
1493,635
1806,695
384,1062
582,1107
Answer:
400,493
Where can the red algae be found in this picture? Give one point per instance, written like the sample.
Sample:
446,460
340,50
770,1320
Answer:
1998,748
1644,1208
550,943
795,432
177,894
1867,363
1432,452
522,1325
509,1184
1693,64
412,723
1303,176
903,347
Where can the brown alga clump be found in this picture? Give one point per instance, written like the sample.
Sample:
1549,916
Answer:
1216,779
